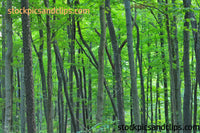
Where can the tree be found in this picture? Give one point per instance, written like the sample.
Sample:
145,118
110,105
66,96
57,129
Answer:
101,65
117,67
49,73
136,110
28,72
187,79
8,83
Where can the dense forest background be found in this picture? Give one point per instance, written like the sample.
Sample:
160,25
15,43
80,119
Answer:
117,64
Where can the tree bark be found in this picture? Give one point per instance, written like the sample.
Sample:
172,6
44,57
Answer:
99,114
3,60
132,64
8,82
22,102
187,79
28,74
49,73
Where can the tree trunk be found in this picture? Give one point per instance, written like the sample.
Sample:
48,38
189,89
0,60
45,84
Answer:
49,74
131,64
22,103
60,111
99,114
187,79
117,67
177,79
58,57
160,21
28,74
3,60
143,119
8,82
42,72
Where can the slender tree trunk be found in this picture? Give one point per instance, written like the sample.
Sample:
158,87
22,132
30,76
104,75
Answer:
49,74
60,113
22,102
143,119
172,71
8,82
195,106
100,100
196,36
89,96
42,72
177,79
58,57
28,74
3,60
78,97
187,79
83,101
131,64
160,21
117,67
151,96
85,96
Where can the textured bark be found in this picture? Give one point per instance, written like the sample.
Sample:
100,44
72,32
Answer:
49,73
28,74
187,79
99,114
132,64
8,82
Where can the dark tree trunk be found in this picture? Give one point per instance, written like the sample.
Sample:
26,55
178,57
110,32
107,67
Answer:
89,96
143,119
60,111
78,97
49,73
187,79
28,74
